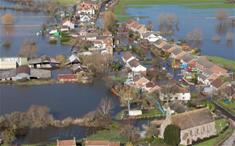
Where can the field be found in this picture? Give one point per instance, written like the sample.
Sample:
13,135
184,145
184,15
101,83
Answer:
197,4
223,62
66,2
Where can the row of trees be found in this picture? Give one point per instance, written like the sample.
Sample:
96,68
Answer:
18,123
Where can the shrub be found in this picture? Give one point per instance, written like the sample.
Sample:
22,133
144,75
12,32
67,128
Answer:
172,135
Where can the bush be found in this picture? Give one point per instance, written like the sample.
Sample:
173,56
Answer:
172,135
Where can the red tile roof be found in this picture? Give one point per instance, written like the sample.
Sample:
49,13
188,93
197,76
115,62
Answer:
101,143
66,142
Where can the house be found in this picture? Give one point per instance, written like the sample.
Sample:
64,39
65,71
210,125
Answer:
151,37
12,62
217,84
85,18
181,94
45,62
7,75
143,83
194,125
133,64
78,68
66,142
127,56
67,77
69,24
177,53
40,73
207,67
101,143
22,73
88,7
160,43
136,27
91,36
186,59
136,67
73,59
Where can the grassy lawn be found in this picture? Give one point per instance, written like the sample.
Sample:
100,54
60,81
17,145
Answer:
201,4
154,113
220,125
66,2
112,134
223,62
229,106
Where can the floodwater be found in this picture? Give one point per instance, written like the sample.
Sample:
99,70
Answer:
64,100
26,26
203,20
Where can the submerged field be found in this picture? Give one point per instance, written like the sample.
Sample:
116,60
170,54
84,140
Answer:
200,4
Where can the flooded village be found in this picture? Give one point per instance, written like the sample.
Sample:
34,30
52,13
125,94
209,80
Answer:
117,72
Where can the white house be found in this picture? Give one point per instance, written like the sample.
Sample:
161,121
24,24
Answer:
181,95
68,24
151,37
12,62
85,18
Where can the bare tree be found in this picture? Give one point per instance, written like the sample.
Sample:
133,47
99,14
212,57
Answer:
109,21
98,63
131,132
7,19
216,38
222,15
194,38
229,39
28,49
223,25
149,25
168,23
229,36
105,107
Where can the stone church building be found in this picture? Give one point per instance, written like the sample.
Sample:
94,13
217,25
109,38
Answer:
194,125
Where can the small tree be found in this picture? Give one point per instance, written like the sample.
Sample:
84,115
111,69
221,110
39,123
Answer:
172,135
7,19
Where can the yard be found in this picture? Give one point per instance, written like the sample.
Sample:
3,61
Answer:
154,113
230,105
113,134
198,4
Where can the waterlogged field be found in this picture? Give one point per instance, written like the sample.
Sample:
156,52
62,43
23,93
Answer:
120,8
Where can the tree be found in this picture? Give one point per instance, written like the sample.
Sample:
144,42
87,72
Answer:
28,49
7,19
168,23
97,63
110,21
216,38
229,36
222,15
172,135
149,25
130,132
194,38
104,108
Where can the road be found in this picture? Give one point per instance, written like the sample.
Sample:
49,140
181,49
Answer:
231,140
